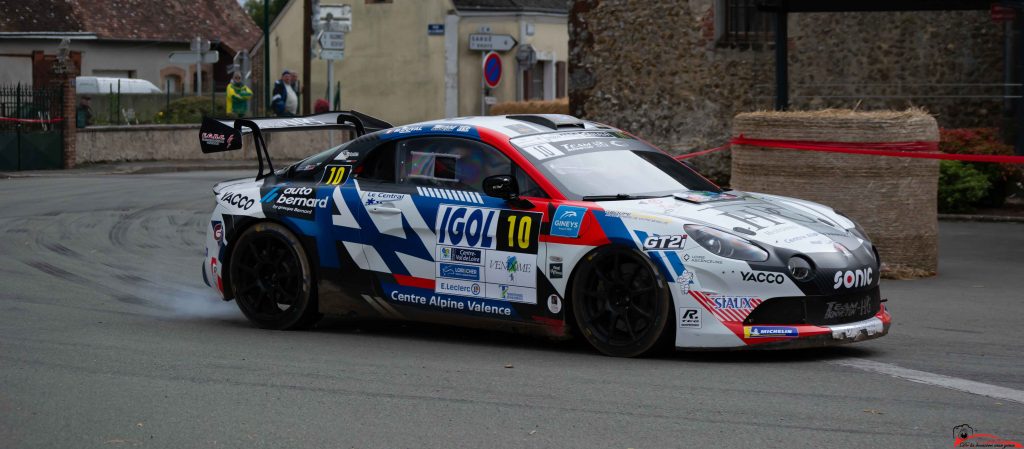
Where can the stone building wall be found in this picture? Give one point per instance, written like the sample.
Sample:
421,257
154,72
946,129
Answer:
657,70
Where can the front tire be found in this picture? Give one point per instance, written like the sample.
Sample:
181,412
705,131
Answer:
272,280
620,302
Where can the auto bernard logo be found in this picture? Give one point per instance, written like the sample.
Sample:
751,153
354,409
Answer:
567,221
852,278
298,202
769,331
474,227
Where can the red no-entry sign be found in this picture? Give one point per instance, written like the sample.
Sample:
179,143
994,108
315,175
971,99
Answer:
492,69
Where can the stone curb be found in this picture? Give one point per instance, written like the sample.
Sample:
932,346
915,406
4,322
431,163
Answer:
981,218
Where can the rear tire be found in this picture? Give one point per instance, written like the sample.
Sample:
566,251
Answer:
271,278
621,303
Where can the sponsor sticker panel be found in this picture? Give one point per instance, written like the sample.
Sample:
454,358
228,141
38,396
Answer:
567,221
689,317
449,303
770,331
293,201
487,253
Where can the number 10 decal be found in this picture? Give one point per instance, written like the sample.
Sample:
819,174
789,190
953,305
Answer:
518,231
336,174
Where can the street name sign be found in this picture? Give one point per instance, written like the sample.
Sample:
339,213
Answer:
491,42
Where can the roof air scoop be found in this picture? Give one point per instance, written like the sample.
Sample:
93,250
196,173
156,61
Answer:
553,121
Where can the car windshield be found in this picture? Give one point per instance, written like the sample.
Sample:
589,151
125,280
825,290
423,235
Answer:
609,166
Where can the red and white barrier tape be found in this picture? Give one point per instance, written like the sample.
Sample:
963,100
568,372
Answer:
920,150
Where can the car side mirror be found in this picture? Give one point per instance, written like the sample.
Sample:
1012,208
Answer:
506,188
501,186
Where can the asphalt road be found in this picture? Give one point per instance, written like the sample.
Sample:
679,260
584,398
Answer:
109,338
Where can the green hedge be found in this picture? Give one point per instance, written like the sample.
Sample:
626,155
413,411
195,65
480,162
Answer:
1001,179
190,110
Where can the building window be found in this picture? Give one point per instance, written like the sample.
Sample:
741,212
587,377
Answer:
739,24
377,2
535,85
560,81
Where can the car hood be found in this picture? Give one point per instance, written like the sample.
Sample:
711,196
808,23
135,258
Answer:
773,220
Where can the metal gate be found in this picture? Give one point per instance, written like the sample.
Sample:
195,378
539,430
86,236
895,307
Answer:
31,128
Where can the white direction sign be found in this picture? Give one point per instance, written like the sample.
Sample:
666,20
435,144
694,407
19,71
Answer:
491,42
191,57
332,54
332,40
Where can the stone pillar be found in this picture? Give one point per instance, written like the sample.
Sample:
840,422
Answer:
70,122
65,70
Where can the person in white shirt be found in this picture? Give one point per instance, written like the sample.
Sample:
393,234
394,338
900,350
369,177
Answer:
285,102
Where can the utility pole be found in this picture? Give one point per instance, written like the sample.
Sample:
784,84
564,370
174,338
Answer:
307,50
197,47
266,57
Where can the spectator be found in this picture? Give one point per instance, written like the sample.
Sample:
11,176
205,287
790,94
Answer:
83,113
321,106
284,102
238,96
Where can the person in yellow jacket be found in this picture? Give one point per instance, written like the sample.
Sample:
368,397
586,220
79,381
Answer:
238,96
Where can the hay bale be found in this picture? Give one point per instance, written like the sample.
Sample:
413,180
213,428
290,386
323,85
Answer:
894,199
559,106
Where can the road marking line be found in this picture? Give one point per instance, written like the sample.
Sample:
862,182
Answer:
939,380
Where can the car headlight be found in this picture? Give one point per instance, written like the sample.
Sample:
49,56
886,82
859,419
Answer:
726,245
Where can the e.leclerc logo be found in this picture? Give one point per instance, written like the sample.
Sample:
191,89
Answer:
567,221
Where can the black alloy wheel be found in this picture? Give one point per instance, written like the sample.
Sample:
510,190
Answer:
271,278
621,303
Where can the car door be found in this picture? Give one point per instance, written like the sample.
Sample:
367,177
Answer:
482,254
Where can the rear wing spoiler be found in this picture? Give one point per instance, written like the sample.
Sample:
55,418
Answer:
225,134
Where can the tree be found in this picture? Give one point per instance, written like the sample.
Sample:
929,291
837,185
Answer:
255,10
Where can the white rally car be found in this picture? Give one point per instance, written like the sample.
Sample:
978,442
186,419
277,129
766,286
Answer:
539,223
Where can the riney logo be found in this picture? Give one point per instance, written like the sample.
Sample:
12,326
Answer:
567,221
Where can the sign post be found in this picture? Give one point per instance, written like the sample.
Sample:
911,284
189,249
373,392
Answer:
199,53
334,22
492,70
489,45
